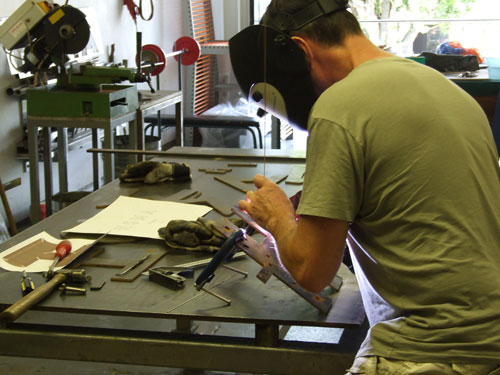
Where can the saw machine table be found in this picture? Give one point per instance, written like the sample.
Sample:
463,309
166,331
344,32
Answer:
40,116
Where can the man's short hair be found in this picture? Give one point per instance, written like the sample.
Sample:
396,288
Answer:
329,30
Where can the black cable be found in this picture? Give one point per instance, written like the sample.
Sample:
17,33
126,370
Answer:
152,10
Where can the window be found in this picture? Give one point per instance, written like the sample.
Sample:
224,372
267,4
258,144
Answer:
408,27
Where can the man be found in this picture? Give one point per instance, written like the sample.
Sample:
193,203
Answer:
401,163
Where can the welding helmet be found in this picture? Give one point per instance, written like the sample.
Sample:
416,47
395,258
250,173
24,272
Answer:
271,69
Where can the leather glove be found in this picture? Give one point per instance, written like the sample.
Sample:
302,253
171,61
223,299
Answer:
152,172
199,235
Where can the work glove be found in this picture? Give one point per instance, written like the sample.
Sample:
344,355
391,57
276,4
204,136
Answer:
199,235
152,172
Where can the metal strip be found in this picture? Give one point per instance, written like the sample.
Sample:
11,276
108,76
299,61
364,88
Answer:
265,256
201,352
202,154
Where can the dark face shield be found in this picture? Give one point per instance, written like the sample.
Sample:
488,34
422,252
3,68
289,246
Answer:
272,71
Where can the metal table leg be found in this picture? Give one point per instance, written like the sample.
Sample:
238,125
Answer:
267,335
275,133
62,157
179,125
95,160
183,325
47,168
108,158
134,139
34,173
140,134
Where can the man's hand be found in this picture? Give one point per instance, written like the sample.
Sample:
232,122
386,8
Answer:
310,248
269,206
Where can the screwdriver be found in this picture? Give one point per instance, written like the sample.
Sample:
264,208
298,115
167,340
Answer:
62,249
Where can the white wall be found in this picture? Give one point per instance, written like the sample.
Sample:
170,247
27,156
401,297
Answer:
230,17
117,27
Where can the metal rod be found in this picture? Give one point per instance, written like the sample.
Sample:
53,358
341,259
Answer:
139,51
204,262
227,301
130,268
252,12
175,53
95,160
200,154
179,74
196,296
235,270
267,335
47,162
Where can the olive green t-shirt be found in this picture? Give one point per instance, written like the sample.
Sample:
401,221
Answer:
409,159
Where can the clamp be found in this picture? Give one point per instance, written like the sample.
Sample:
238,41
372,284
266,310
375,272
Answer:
171,277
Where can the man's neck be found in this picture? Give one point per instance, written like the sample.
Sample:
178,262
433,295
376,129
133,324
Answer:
360,49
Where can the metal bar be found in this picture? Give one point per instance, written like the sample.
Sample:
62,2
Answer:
47,163
217,295
158,116
34,173
275,133
136,135
252,12
95,160
179,74
204,262
108,159
179,126
173,54
201,352
183,325
138,40
62,157
12,183
179,107
267,335
200,154
140,134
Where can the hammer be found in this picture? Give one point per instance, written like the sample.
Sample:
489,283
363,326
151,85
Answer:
55,278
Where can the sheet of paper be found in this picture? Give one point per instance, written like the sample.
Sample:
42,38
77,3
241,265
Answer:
137,217
36,254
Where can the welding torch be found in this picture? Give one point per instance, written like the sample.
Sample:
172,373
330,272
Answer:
224,254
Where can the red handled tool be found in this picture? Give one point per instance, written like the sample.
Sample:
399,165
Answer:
132,8
63,248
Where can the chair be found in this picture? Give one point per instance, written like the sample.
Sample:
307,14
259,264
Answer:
245,123
201,78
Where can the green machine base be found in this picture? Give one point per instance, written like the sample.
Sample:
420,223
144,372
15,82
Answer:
107,102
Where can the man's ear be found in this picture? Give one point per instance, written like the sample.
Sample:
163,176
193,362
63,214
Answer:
305,45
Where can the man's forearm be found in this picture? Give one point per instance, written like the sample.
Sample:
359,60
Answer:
311,249
284,232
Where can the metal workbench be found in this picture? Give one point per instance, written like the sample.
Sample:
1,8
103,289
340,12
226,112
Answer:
266,307
148,104
62,124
